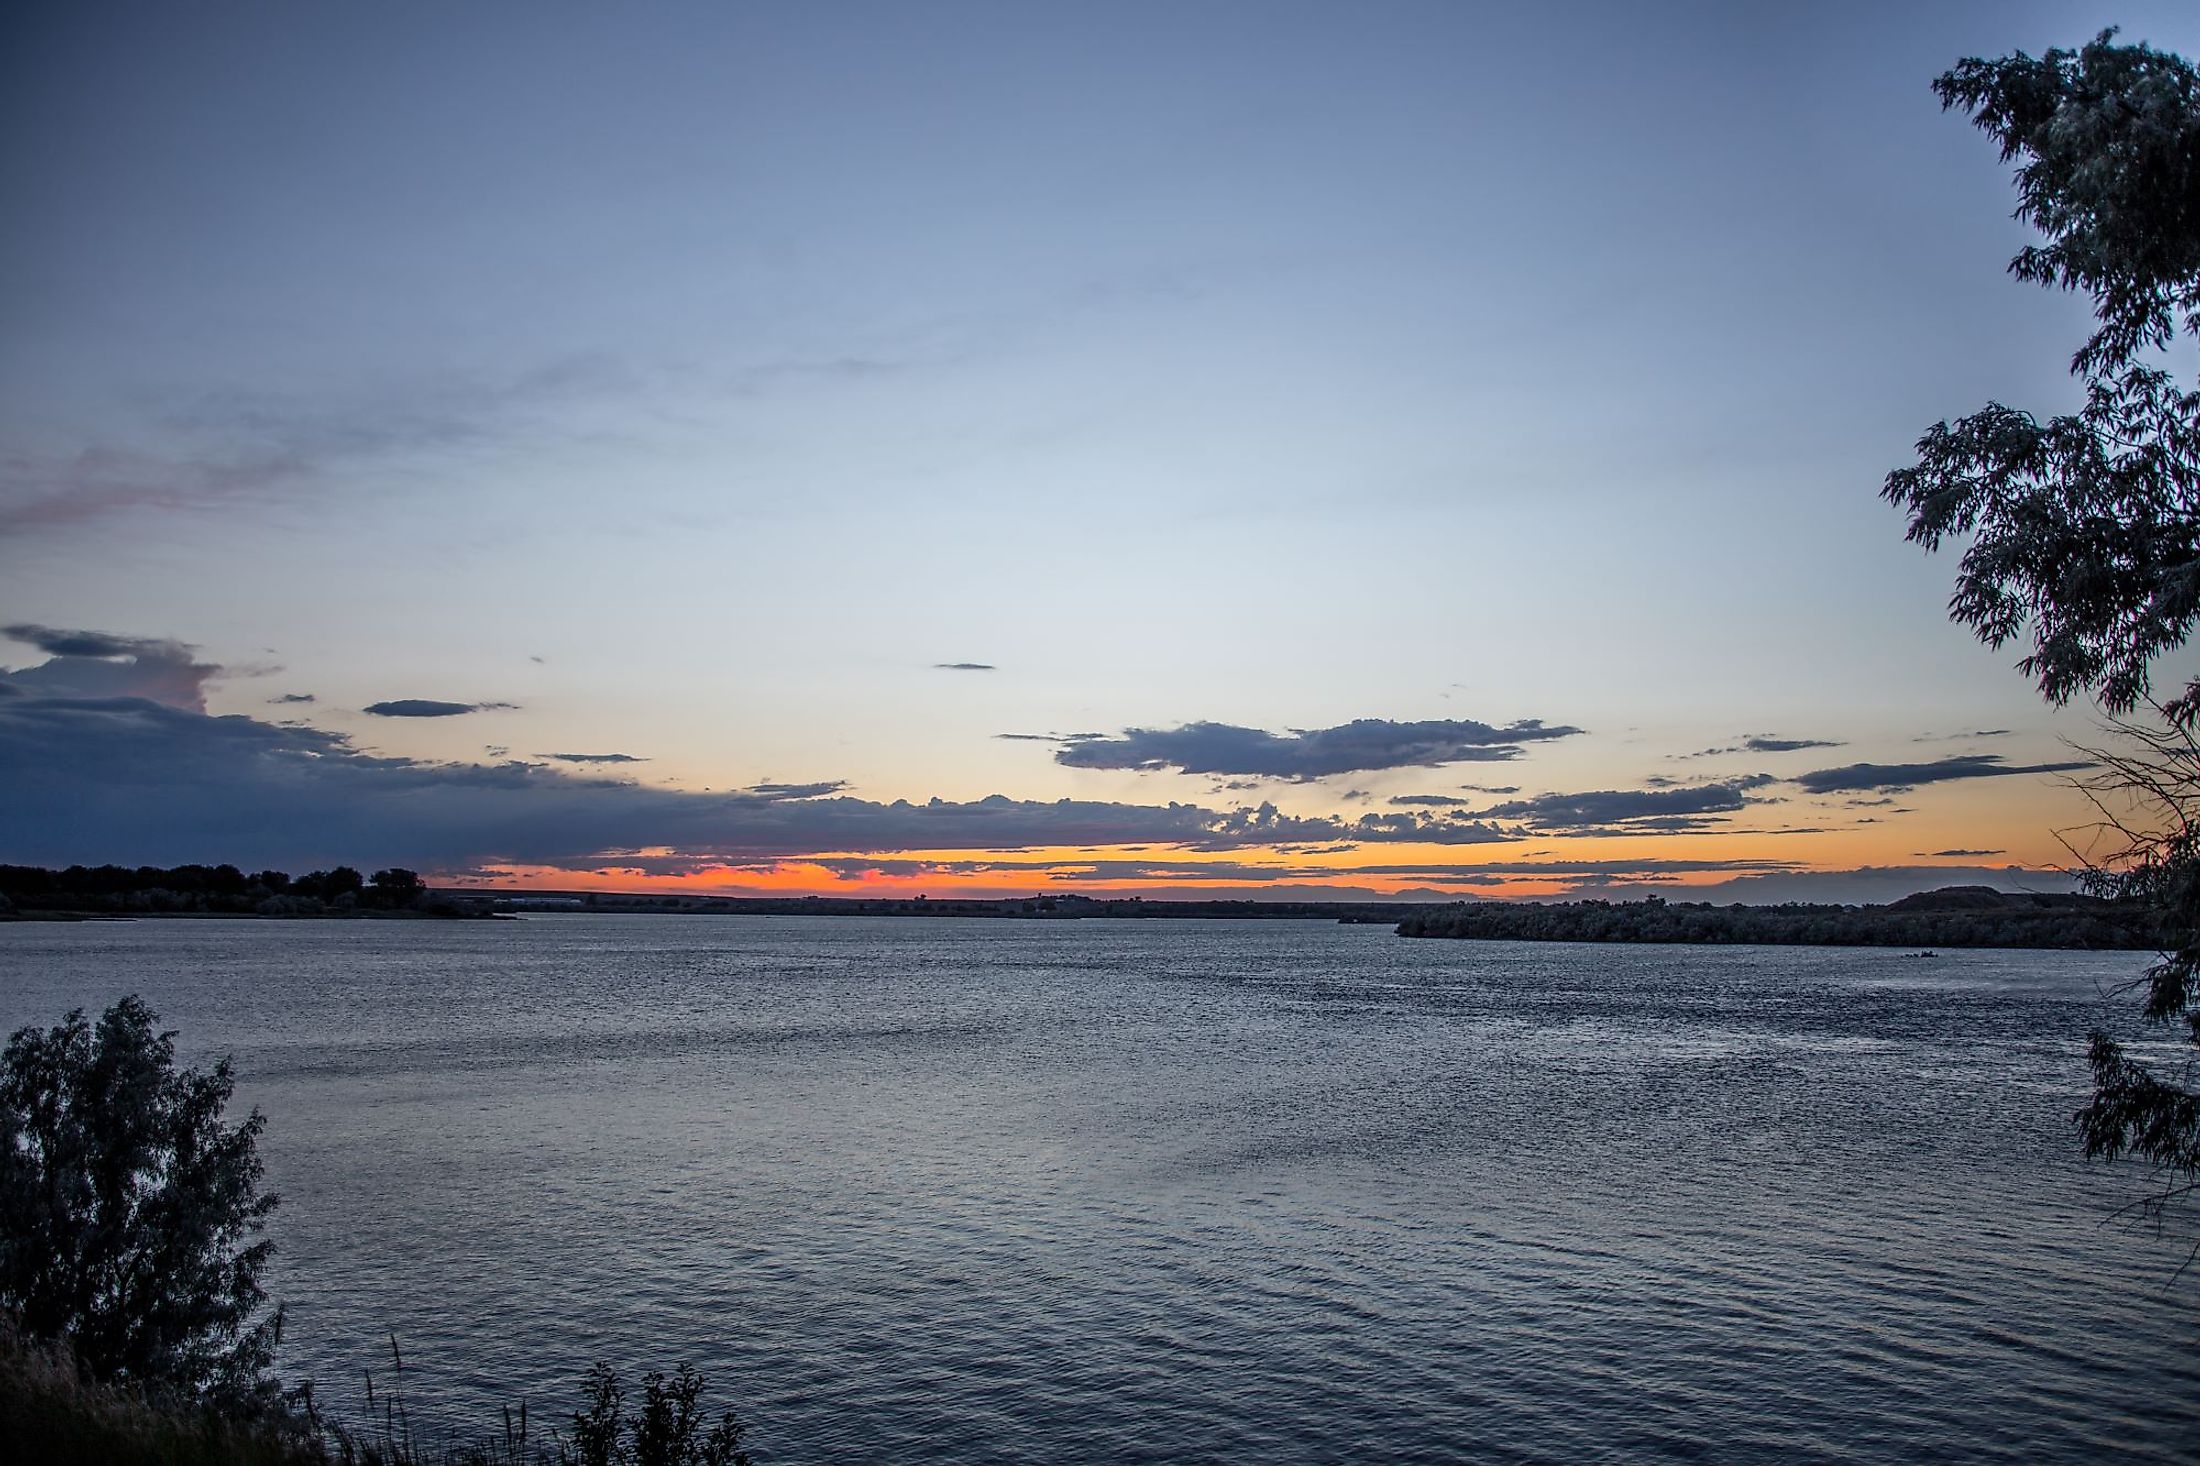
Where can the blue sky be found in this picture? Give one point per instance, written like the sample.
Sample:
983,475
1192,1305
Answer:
695,381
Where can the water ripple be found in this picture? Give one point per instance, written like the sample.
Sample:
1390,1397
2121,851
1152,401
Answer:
1190,1191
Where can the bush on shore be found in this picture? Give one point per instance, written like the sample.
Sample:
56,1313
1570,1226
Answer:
133,1327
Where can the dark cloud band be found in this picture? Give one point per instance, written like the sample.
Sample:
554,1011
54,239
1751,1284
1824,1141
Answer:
127,778
1653,810
1363,745
1893,778
428,707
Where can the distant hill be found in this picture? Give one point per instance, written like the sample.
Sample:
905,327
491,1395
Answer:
1954,916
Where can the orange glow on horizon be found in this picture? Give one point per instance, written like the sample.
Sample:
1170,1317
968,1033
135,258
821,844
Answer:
1366,871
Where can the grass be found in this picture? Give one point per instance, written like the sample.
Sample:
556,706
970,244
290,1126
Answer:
51,1413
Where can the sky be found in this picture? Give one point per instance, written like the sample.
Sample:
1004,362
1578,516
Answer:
1192,449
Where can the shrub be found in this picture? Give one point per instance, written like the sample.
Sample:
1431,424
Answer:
130,1213
670,1429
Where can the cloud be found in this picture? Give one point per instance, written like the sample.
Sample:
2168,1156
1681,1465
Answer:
1762,743
292,697
594,758
102,664
1662,811
95,779
199,451
56,642
1941,854
1306,880
1434,801
964,667
428,707
1894,778
231,450
1362,745
41,493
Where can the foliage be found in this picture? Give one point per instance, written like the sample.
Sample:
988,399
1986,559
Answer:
2148,795
2087,526
50,1413
152,890
670,1430
1960,916
130,1213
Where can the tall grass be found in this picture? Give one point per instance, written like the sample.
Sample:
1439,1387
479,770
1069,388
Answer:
51,1412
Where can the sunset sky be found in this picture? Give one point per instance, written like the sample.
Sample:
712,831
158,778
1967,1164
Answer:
1185,449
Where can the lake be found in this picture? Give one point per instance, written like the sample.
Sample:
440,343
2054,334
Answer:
1147,1191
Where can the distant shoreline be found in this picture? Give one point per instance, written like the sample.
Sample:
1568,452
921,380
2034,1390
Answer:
1955,916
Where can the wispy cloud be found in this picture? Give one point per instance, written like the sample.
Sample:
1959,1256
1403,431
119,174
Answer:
964,667
1762,743
39,492
233,450
1955,737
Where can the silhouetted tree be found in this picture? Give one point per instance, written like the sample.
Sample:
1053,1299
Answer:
2086,528
329,885
129,1212
397,887
671,1428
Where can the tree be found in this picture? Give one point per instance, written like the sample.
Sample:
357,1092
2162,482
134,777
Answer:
2085,529
397,887
130,1213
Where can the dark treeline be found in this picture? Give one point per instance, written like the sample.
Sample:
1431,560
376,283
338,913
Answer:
1065,907
1956,916
217,890
226,890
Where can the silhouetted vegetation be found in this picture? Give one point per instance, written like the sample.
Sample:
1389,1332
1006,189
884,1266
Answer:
1066,907
133,1327
130,1214
1956,916
671,1428
220,890
2085,529
53,1413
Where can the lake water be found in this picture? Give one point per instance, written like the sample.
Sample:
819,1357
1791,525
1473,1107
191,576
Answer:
1054,1191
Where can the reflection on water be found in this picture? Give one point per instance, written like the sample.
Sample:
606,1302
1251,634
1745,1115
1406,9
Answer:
1165,1191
